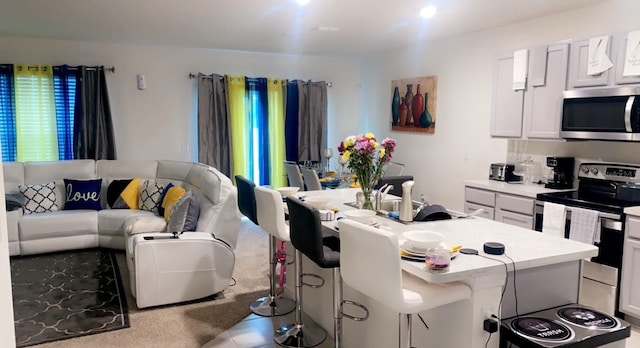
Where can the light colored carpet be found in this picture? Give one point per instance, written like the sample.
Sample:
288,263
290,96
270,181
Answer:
193,324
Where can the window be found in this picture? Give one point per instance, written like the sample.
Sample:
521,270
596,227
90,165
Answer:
36,113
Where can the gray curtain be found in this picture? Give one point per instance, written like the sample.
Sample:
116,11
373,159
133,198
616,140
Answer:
214,143
312,126
92,126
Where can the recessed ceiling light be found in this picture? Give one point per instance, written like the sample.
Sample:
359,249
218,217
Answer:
428,12
302,2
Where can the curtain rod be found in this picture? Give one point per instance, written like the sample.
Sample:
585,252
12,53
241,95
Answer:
111,69
193,76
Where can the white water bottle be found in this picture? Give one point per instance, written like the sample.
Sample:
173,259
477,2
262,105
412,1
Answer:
406,206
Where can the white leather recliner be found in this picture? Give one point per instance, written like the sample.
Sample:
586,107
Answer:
194,265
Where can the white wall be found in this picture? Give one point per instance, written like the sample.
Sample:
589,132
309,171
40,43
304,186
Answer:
159,122
461,147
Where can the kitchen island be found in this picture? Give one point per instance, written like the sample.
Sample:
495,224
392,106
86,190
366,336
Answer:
547,274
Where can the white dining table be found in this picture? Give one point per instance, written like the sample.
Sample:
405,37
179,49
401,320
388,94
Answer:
548,272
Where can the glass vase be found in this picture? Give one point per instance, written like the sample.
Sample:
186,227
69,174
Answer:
366,198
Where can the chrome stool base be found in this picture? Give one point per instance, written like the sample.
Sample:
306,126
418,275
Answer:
272,306
298,336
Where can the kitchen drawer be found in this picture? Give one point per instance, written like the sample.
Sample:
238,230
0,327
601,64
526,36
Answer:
515,219
597,295
515,204
599,272
488,212
478,196
633,228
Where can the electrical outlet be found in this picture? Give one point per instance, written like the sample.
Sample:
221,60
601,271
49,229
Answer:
487,312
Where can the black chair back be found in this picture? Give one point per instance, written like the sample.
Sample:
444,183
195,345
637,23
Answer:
305,229
396,181
247,198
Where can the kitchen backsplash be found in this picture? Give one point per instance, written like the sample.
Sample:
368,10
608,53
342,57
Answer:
583,151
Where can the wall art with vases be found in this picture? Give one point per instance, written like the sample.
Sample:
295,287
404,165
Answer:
413,104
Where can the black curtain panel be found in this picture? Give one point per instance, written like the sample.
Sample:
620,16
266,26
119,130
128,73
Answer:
291,122
312,127
214,139
93,127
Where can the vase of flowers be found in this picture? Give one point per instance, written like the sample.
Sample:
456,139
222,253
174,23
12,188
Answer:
366,159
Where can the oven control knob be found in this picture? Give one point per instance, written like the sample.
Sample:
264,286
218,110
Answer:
585,170
594,171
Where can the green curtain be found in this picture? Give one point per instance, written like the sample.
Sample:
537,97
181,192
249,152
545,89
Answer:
239,126
276,104
36,130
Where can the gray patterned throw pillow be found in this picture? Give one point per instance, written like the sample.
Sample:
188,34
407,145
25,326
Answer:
150,194
184,216
40,198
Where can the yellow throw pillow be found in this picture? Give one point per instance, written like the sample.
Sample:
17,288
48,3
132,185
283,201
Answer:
130,193
170,198
123,194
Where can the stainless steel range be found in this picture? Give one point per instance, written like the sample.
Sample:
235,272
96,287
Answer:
567,326
607,188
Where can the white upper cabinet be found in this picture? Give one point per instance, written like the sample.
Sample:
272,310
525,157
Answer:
543,99
506,116
578,66
621,43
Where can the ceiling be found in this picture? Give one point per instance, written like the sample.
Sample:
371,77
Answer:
276,26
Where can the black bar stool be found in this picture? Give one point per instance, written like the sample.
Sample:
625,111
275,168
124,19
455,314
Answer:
306,236
271,305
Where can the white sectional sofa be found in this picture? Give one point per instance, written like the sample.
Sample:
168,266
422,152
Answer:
163,270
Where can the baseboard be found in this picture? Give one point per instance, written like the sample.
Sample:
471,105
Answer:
632,320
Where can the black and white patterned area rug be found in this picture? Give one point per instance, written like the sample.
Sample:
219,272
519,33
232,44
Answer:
64,295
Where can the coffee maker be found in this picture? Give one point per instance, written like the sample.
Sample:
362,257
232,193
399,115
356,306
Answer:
561,176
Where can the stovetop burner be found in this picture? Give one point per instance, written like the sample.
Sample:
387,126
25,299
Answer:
542,329
606,187
587,318
585,200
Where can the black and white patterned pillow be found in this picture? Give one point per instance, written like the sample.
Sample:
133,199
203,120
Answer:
150,195
40,198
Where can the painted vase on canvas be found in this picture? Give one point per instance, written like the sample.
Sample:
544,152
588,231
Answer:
408,98
395,106
402,112
425,119
417,106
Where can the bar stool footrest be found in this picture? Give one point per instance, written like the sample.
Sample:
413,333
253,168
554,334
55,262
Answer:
314,286
353,317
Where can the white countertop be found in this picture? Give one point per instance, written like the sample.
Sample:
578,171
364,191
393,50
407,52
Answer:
527,190
635,211
527,248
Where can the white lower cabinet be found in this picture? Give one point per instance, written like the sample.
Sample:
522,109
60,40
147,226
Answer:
630,283
516,219
510,209
488,212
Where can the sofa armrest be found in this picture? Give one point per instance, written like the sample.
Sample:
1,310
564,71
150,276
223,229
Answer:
144,224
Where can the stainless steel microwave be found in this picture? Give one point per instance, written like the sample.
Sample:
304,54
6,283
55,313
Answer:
601,114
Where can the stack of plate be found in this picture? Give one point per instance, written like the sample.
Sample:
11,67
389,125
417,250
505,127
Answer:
409,252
